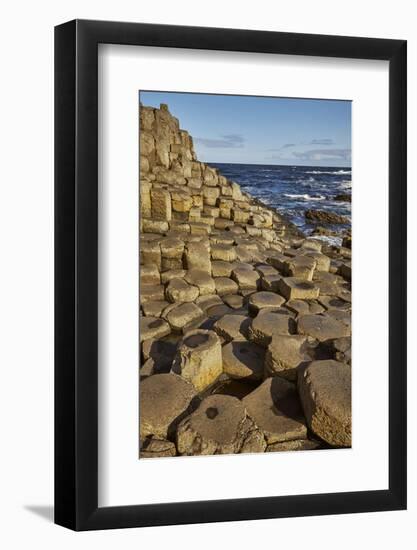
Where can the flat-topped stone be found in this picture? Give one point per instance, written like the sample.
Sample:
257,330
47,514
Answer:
202,280
264,300
246,279
243,360
199,358
205,302
285,354
234,301
220,268
232,327
322,261
164,400
271,282
300,266
304,307
197,255
219,426
321,327
275,408
293,288
182,315
153,327
325,393
225,286
154,308
267,323
167,276
178,290
224,252
334,302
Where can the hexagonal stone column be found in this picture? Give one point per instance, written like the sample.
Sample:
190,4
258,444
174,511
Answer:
284,355
268,323
293,288
199,358
164,401
322,327
197,256
242,359
264,300
220,425
325,393
153,327
301,267
275,408
179,290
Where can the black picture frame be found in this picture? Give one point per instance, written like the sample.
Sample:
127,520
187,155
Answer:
76,271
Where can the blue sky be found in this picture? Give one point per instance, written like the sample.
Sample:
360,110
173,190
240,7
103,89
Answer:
262,130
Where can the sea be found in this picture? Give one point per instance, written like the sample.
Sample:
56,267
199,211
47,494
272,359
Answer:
292,190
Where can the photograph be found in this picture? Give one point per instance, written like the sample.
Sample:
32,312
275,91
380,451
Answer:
245,274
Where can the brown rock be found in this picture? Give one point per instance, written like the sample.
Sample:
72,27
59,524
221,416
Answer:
165,399
183,315
242,359
285,354
218,426
152,327
151,293
259,301
225,286
197,255
275,409
202,280
324,217
293,288
161,204
199,358
322,327
246,279
267,323
179,290
149,275
325,393
296,445
220,268
154,308
232,327
153,447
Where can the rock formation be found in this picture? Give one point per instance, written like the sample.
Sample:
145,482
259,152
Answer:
244,322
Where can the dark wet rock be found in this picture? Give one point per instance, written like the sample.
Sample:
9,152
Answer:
325,217
343,197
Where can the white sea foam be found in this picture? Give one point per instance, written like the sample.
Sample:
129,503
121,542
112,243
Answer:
331,240
329,172
345,185
305,197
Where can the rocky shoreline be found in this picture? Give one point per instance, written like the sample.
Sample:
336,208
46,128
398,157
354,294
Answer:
244,323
